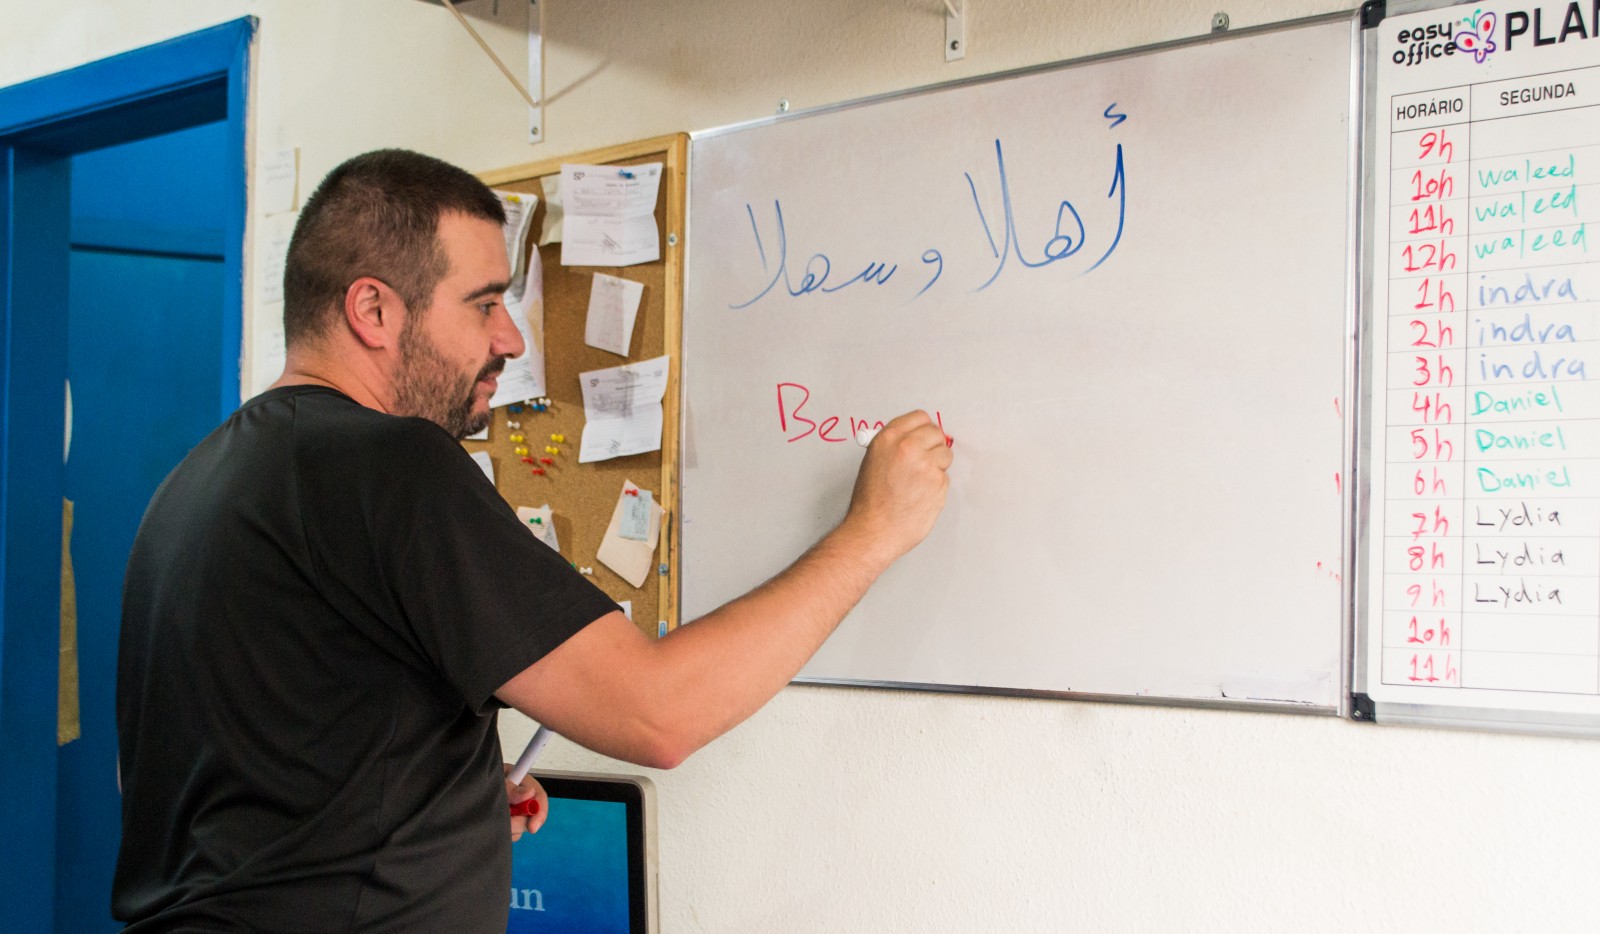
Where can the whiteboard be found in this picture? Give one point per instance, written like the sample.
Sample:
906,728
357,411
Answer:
1481,559
1124,288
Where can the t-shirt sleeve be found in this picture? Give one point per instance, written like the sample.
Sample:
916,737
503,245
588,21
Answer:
470,590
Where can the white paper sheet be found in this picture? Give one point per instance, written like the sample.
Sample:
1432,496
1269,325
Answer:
519,216
273,235
523,377
631,560
622,405
553,211
545,529
278,181
487,465
610,214
613,308
267,349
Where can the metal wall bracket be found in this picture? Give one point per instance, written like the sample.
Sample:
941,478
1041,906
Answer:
536,71
955,31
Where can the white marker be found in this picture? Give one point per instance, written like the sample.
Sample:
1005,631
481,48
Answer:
525,761
864,435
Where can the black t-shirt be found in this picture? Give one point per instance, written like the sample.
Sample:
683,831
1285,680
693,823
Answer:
319,605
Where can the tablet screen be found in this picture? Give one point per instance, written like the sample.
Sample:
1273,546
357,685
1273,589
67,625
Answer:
583,871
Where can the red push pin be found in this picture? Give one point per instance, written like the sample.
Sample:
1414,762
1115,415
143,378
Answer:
529,460
545,460
631,492
538,471
528,808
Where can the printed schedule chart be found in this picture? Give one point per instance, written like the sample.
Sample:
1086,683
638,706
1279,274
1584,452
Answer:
1483,552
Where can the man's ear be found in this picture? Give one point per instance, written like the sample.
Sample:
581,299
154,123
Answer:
374,313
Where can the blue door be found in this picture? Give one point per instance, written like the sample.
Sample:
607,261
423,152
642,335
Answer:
145,312
145,371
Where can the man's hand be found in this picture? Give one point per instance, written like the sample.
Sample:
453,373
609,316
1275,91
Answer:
900,488
516,794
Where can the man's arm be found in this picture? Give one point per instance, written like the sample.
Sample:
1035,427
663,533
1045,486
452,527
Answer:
654,701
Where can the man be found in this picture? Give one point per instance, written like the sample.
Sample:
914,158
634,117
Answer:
327,603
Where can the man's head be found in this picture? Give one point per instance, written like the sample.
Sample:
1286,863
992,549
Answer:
398,260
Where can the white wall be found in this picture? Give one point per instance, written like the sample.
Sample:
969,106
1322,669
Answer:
848,810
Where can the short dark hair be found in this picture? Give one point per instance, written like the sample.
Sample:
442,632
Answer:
375,215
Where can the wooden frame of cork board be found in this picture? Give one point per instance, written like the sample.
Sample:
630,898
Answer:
583,496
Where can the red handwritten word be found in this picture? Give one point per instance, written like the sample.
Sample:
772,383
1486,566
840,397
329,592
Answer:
1430,219
1437,187
1429,668
1429,256
1443,296
792,400
1420,485
1429,636
1433,409
1444,374
1431,143
1415,591
1439,336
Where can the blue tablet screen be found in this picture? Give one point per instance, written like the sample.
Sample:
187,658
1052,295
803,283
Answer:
572,876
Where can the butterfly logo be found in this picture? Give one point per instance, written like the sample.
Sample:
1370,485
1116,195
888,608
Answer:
1478,37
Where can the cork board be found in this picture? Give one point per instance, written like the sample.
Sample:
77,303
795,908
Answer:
583,496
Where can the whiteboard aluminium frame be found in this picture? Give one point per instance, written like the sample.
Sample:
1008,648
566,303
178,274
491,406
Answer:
1362,707
1354,279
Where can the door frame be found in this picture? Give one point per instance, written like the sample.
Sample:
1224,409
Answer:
197,78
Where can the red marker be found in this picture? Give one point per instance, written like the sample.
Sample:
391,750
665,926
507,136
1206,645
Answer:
528,808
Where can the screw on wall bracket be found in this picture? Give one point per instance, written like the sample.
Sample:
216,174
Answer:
783,106
955,31
1219,22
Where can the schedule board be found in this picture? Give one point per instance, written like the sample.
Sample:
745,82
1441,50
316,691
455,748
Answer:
1480,561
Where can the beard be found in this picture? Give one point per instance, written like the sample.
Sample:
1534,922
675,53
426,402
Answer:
427,386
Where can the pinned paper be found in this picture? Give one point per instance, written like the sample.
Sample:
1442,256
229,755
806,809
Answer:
481,434
523,377
632,560
487,465
623,407
278,178
613,308
541,524
636,512
627,608
268,353
519,215
610,214
553,212
273,234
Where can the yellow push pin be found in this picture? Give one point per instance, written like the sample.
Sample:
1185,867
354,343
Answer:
551,449
520,450
517,438
558,438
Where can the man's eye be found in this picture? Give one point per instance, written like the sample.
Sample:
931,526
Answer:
487,308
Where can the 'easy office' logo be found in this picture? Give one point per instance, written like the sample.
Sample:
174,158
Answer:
1422,43
1473,35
